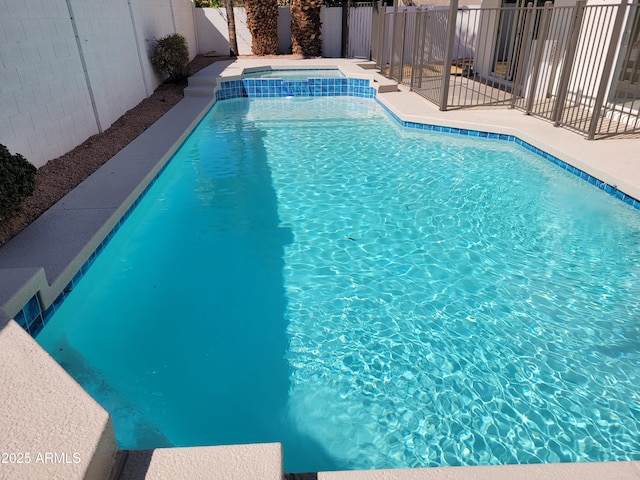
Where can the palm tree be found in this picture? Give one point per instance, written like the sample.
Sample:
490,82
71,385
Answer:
231,24
306,27
262,20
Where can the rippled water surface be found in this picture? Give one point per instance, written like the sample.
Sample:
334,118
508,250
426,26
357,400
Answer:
306,271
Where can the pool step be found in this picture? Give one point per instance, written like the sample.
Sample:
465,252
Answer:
200,85
261,461
199,91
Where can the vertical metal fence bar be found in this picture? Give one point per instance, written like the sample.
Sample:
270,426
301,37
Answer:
453,78
424,15
448,52
542,34
551,61
529,12
567,66
382,32
416,42
592,51
402,44
606,71
466,66
489,82
624,95
581,65
392,34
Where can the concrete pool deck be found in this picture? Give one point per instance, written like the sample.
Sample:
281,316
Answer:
45,257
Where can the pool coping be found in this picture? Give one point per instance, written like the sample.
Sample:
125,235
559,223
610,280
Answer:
48,254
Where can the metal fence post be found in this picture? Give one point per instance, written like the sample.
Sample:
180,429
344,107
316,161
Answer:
382,35
537,59
404,30
393,35
448,53
606,70
415,63
567,67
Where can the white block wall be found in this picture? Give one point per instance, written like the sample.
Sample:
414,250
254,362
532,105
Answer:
45,101
213,32
45,109
107,41
331,18
184,14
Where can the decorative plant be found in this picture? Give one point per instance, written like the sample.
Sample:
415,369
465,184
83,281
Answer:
171,56
17,181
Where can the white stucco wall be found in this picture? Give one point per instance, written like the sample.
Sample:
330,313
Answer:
183,11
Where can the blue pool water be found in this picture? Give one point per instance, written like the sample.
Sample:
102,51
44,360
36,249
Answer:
308,272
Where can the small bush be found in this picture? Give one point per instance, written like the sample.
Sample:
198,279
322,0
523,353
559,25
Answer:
17,181
171,56
209,3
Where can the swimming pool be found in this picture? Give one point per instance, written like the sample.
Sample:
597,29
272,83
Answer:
368,295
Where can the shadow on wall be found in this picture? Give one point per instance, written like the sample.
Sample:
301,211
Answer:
211,24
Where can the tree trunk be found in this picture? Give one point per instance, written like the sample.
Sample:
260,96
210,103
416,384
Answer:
231,25
306,27
262,20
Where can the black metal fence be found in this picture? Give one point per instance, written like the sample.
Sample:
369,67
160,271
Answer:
577,66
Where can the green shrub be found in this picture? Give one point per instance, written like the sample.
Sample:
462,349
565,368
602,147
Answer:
17,181
209,3
171,56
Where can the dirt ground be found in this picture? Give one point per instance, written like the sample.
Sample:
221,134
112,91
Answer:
60,175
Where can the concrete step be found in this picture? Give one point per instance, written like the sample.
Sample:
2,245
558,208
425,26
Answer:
229,462
199,91
196,80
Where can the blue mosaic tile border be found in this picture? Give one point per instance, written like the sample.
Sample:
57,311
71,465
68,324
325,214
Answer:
32,317
610,189
277,87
